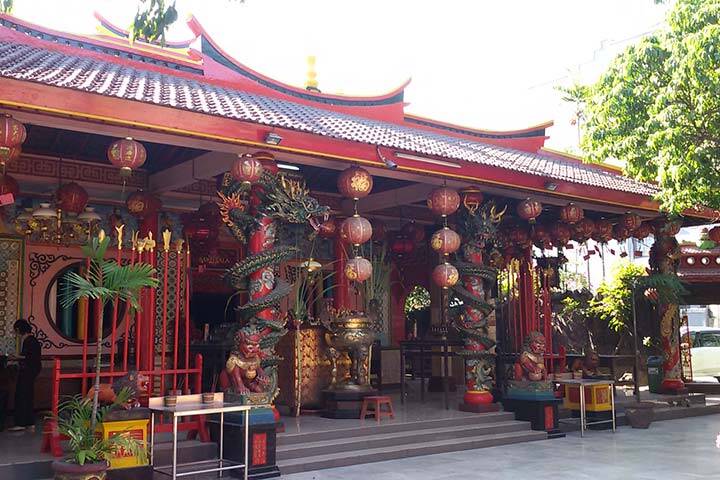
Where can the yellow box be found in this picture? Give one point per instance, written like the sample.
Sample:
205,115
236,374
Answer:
597,398
137,429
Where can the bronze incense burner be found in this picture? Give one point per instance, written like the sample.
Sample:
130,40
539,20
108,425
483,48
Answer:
352,333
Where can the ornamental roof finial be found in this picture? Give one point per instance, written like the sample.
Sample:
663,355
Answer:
311,82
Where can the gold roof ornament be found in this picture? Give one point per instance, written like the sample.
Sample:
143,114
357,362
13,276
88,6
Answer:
311,82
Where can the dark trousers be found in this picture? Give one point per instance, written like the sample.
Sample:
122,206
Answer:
25,399
3,408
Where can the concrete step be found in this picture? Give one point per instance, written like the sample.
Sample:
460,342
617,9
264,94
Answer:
23,470
371,455
287,452
370,428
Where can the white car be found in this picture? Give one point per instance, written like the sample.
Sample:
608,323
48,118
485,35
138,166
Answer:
705,352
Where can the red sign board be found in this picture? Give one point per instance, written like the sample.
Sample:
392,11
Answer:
7,199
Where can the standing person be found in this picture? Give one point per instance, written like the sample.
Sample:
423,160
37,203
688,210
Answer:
29,366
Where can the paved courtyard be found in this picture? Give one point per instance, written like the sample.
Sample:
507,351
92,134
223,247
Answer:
673,450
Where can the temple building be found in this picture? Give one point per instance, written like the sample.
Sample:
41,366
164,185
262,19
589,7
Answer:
278,218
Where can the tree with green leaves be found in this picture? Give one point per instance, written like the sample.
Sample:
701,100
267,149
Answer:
106,281
153,19
657,108
614,300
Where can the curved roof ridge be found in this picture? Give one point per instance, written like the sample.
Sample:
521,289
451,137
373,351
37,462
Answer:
139,51
123,33
473,130
211,48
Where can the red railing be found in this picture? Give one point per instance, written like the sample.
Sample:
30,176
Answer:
145,325
195,426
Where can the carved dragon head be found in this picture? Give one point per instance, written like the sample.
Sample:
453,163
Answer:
289,199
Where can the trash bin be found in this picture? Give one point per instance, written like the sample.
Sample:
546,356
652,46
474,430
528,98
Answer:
655,373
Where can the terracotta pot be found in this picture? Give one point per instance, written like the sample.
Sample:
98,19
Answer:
640,415
73,471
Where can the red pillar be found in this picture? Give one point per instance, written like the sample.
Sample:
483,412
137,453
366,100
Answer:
528,320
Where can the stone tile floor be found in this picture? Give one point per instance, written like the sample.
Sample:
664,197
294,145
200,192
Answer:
673,450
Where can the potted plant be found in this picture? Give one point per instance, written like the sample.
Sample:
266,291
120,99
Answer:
105,281
90,452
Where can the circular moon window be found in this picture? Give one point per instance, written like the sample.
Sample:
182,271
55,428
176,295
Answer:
79,320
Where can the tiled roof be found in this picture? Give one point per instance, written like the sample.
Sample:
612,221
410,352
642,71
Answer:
30,63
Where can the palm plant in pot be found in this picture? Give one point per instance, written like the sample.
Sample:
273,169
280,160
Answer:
90,452
105,281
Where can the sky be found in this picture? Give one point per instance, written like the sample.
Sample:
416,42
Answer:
478,63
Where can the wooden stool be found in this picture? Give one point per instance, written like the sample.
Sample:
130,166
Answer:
378,402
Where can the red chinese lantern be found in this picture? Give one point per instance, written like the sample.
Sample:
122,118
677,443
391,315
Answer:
127,154
444,201
72,198
560,234
413,231
714,234
246,169
541,236
355,230
12,135
328,229
631,221
644,230
378,230
355,183
141,204
402,246
472,198
358,269
267,160
529,209
583,230
571,213
445,241
621,232
445,275
519,236
603,230
9,185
